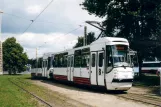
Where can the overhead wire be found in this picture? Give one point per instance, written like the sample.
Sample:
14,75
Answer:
16,16
32,21
43,10
73,30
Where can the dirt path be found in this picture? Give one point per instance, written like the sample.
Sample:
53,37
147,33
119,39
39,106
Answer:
90,98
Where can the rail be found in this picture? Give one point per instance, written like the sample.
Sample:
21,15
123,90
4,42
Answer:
142,98
32,94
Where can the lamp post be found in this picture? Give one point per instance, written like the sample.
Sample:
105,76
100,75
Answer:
1,54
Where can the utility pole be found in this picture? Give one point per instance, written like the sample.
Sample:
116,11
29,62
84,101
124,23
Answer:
36,59
85,35
1,52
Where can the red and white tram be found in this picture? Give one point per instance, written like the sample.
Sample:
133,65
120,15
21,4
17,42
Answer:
105,62
151,66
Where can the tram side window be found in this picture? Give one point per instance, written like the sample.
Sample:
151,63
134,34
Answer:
85,57
34,64
84,64
49,62
77,58
39,62
100,59
93,60
109,56
60,60
56,61
85,60
65,61
77,61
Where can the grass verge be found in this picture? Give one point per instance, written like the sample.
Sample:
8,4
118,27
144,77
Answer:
53,98
12,96
147,80
152,82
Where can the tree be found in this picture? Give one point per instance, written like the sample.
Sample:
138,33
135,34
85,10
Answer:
90,39
80,42
14,59
137,20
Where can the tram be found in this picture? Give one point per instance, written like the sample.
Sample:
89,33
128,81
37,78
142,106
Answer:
105,62
151,67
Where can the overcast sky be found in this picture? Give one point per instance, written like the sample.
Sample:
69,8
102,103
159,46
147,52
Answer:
50,31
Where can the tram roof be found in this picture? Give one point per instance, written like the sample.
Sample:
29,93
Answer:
100,40
110,39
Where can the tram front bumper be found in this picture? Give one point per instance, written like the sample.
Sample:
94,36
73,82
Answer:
119,86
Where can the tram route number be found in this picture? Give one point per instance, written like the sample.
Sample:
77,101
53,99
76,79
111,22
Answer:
99,71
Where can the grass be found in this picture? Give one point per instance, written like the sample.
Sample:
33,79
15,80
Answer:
152,82
19,98
12,96
147,80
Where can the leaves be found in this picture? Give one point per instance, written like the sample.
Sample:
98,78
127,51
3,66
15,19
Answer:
90,39
137,20
14,59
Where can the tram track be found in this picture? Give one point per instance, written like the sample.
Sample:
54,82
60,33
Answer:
147,99
142,98
32,94
49,102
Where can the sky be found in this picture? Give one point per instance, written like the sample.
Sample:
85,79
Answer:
53,31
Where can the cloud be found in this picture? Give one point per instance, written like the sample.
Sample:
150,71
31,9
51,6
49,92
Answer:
61,17
35,9
53,42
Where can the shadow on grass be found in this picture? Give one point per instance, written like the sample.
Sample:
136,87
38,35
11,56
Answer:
148,81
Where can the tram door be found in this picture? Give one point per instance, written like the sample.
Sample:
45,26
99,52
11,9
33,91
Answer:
45,63
93,68
100,68
97,68
70,67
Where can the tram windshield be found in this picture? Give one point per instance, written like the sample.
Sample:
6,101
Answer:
119,55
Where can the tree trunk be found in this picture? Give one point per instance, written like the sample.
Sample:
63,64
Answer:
9,72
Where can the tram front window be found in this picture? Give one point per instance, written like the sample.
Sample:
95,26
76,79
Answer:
119,55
